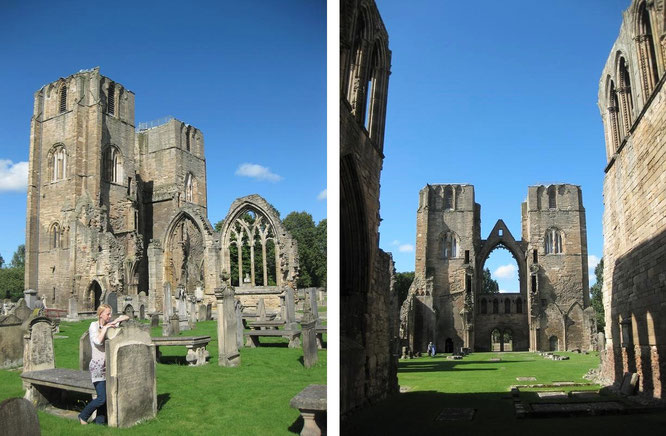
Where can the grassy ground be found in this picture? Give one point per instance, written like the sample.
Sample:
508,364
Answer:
434,384
252,399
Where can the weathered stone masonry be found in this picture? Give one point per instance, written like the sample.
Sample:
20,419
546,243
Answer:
445,304
368,327
632,101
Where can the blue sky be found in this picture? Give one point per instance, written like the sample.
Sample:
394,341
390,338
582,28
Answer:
501,95
250,75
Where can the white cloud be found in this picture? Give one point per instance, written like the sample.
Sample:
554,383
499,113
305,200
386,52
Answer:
13,176
505,271
592,261
395,242
322,195
406,248
257,172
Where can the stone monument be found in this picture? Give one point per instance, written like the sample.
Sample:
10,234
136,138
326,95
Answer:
228,354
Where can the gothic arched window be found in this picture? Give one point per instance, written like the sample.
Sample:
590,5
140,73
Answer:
111,102
113,164
189,187
63,98
554,242
58,163
450,245
54,236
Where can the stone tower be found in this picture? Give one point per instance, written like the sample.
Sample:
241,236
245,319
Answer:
82,185
554,228
113,212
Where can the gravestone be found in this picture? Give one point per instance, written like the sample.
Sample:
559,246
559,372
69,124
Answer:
261,310
312,295
142,312
154,320
309,337
192,316
209,312
168,309
629,383
130,378
30,297
129,311
22,311
38,345
228,354
73,309
11,341
174,325
18,417
112,300
289,309
238,306
201,312
85,351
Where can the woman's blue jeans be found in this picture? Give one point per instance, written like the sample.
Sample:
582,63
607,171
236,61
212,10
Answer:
98,404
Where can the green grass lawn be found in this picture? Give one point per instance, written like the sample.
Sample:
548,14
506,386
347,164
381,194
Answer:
434,384
252,399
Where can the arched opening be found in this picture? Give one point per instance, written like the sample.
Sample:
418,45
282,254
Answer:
94,295
129,311
63,99
184,255
507,305
519,305
448,345
626,99
500,273
495,340
554,241
552,343
552,197
507,340
495,306
646,51
484,306
252,250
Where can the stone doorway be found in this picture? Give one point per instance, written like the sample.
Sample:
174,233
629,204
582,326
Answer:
94,296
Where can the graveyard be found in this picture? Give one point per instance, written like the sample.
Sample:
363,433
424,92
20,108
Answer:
194,397
504,393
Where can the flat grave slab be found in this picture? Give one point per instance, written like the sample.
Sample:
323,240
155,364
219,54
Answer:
558,395
585,394
495,359
564,383
456,414
590,408
526,378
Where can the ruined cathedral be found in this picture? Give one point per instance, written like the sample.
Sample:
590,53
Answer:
116,210
446,304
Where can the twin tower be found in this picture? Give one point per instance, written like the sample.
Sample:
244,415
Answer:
446,303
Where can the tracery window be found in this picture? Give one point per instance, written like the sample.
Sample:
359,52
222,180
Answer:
58,163
646,52
113,164
189,188
554,241
626,105
450,245
111,102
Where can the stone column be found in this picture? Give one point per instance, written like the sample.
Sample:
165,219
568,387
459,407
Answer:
228,354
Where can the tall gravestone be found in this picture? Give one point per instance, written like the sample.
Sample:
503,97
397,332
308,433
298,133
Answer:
228,354
174,325
131,377
261,309
18,417
112,300
38,345
239,322
209,312
73,309
154,320
11,341
22,311
201,312
30,296
309,335
289,309
85,351
192,315
168,308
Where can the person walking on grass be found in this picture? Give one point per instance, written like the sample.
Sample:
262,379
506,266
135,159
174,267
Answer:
97,333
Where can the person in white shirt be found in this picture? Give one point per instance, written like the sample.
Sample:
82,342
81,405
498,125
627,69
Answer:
97,333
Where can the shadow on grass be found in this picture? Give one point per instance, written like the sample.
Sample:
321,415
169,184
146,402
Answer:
162,399
297,426
422,365
174,360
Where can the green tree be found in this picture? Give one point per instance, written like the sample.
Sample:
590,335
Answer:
311,241
18,260
596,295
2,261
490,285
403,280
12,278
218,225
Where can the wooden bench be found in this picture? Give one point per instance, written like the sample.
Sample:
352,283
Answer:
196,347
311,402
292,335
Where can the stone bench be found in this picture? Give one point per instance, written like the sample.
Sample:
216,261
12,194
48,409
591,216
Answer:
311,402
292,335
265,325
320,331
196,347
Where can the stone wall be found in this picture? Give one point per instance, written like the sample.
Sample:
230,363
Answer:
368,320
634,201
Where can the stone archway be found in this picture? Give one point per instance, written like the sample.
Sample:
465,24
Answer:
184,255
502,309
94,295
